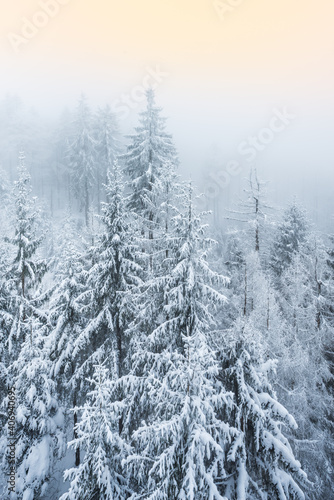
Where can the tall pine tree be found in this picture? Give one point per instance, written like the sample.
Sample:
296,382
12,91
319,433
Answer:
174,394
149,159
82,157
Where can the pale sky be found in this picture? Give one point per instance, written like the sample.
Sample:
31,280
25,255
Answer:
278,43
222,75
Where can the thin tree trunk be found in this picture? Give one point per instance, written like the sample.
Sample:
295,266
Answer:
245,300
318,282
86,204
257,236
75,421
119,360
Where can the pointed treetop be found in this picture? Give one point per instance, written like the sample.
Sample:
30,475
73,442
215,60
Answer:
150,96
22,158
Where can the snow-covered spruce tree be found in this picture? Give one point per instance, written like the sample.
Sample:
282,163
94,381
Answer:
305,373
261,462
290,235
6,320
39,429
26,269
28,371
174,394
4,188
115,270
106,300
259,329
329,354
5,305
107,146
66,325
329,310
150,155
292,322
99,476
82,157
329,294
106,305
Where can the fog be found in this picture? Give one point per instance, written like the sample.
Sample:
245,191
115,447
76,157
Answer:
219,79
211,130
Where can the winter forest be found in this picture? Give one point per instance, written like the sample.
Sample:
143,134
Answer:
147,352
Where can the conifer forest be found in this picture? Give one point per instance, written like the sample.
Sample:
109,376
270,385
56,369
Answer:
147,352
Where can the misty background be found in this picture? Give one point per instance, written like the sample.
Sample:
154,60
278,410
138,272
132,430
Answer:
219,71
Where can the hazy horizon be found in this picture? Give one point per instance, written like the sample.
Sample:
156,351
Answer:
220,68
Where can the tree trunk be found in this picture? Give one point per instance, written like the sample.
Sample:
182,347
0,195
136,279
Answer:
257,236
119,360
245,299
86,204
75,421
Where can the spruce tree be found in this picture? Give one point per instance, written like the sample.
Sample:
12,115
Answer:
66,325
174,395
114,272
99,476
262,464
26,269
38,417
107,147
149,159
39,429
82,157
305,373
290,236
